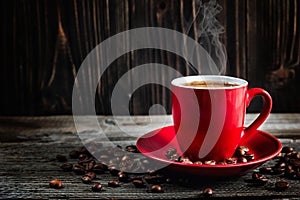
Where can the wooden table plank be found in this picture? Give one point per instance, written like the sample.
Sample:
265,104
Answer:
28,147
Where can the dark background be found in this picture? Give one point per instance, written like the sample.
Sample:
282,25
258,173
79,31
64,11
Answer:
43,43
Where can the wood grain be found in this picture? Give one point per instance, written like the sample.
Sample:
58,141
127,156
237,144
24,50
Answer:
44,43
29,146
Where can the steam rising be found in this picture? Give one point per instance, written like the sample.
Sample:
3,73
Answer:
208,30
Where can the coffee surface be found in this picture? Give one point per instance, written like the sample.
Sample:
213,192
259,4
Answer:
210,84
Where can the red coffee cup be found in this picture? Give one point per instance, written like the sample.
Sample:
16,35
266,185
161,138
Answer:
208,113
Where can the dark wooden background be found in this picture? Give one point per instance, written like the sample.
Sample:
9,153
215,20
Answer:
43,43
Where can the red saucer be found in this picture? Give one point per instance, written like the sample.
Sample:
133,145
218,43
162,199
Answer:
154,145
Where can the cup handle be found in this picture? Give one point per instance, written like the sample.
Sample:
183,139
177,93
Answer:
263,114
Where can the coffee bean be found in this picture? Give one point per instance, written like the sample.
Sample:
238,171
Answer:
78,169
278,170
295,155
61,158
99,168
123,177
256,176
207,192
287,149
279,156
249,157
259,179
280,165
186,161
281,185
265,170
113,183
57,184
295,163
92,175
86,179
113,171
131,148
198,163
74,154
82,157
239,152
67,167
243,148
83,150
156,189
289,173
138,183
231,160
97,187
241,160
210,162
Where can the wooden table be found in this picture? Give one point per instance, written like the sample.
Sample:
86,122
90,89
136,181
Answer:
29,146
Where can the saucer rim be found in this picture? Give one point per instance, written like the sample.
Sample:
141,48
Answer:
254,162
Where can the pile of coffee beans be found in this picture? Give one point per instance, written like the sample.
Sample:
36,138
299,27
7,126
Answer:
241,155
118,162
287,166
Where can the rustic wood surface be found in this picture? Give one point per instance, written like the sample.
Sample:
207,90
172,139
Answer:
44,43
29,145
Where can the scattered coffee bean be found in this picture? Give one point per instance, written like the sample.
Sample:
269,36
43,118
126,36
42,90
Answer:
57,184
287,149
259,178
113,183
295,163
67,167
138,183
78,169
265,170
281,185
74,154
131,148
83,150
92,175
86,179
280,164
82,157
278,170
156,189
256,176
97,187
113,171
279,156
123,177
61,158
99,168
207,192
